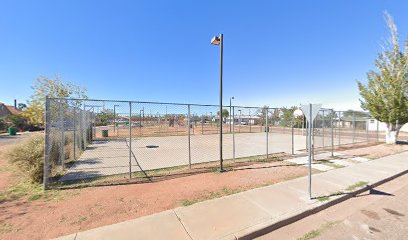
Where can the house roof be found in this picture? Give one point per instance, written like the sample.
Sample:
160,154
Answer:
11,109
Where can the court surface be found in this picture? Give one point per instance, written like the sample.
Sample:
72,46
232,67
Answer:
109,157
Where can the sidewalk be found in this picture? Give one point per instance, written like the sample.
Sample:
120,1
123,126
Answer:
236,216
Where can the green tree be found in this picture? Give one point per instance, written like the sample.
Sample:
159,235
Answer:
225,113
386,93
43,87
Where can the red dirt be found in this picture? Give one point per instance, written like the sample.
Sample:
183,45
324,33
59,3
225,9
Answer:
377,151
93,207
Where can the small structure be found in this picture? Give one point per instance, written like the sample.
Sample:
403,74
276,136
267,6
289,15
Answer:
7,110
372,125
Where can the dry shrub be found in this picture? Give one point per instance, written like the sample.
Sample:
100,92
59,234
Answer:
29,158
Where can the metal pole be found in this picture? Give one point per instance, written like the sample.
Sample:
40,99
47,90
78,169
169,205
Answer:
211,120
233,133
367,121
221,59
267,134
240,113
378,130
130,140
323,125
332,134
354,126
94,126
74,131
230,116
250,125
202,124
46,143
293,137
62,144
339,127
312,142
85,128
307,132
114,118
189,140
310,150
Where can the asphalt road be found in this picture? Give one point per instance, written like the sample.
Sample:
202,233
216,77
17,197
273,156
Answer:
381,213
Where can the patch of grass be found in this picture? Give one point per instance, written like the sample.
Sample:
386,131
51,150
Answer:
6,228
211,195
310,235
33,192
323,198
317,232
330,164
327,198
356,186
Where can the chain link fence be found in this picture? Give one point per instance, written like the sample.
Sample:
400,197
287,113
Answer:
91,142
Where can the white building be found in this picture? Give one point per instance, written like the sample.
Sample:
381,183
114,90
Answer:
243,119
372,126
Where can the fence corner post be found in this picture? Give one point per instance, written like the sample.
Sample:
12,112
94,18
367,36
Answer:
46,144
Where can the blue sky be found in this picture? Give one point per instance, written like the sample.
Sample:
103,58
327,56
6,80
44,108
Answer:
276,53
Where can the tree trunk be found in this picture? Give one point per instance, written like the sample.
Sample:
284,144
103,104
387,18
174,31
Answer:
391,134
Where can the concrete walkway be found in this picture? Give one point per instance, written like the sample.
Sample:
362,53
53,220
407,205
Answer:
236,216
322,161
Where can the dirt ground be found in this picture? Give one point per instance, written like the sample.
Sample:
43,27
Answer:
61,212
71,210
375,150
5,175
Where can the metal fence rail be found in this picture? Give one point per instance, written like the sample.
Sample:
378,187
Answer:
105,141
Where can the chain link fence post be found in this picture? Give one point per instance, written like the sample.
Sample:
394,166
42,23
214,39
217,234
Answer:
233,133
293,134
332,132
339,125
62,140
366,125
323,126
46,144
267,133
189,136
130,140
250,124
354,126
74,117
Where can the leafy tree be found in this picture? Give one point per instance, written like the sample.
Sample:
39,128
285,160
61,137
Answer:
43,87
287,117
225,113
103,118
386,94
262,114
22,106
351,113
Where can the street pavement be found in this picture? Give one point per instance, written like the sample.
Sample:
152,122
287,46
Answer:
380,213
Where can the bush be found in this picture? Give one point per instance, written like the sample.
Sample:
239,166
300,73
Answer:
3,125
29,158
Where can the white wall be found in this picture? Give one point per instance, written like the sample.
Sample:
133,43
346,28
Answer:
372,126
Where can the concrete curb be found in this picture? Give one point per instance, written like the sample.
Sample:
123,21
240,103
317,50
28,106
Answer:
271,225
